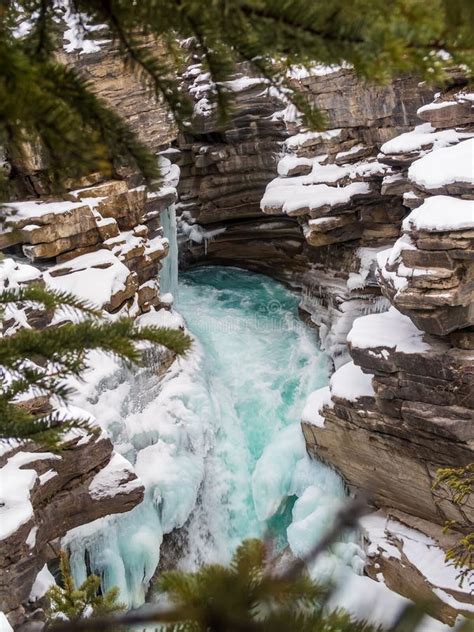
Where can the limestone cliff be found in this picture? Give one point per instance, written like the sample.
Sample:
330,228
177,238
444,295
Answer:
338,226
403,406
44,495
102,240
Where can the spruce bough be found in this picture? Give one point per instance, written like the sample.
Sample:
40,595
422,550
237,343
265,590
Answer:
44,102
38,362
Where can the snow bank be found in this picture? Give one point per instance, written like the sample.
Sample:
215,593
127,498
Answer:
113,479
422,552
350,382
25,210
94,277
12,273
442,213
311,138
315,402
43,582
4,625
443,167
420,137
295,200
390,329
16,484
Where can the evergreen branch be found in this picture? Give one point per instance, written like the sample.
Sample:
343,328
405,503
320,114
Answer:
50,299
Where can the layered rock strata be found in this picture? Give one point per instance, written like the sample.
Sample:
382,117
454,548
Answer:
224,171
103,241
43,495
324,218
402,407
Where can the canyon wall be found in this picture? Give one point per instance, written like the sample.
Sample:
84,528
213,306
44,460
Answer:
102,240
402,407
342,216
372,221
224,176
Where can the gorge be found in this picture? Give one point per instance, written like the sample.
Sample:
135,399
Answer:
328,281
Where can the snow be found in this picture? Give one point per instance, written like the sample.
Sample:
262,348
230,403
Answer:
12,273
350,382
4,625
162,318
295,200
367,599
15,486
465,97
441,213
315,402
243,83
319,173
311,138
435,106
422,136
77,33
445,166
288,163
43,582
368,258
313,70
113,479
421,551
404,242
47,476
390,329
31,539
26,210
88,279
197,233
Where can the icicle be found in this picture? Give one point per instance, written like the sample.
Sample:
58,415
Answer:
169,271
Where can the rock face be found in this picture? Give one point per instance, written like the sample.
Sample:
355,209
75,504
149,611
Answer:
103,241
412,416
223,175
44,495
120,87
375,211
325,239
106,230
403,407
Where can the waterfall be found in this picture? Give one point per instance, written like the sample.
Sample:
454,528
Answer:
216,440
169,271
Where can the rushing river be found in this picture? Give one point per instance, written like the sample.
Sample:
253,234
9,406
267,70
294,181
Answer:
217,442
261,362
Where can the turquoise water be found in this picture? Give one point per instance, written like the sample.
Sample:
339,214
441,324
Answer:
260,363
217,440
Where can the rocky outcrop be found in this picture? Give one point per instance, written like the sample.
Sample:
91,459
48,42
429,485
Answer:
328,250
44,495
429,273
398,412
224,171
103,241
106,231
122,88
402,407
